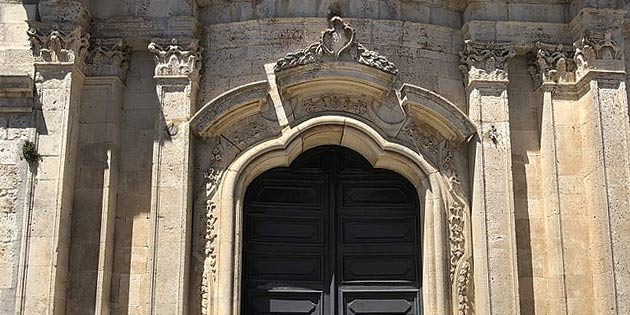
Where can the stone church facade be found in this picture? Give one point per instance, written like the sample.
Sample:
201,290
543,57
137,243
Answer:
314,157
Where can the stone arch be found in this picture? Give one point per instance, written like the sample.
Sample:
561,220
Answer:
313,98
229,186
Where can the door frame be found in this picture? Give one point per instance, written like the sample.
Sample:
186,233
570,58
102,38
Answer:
433,193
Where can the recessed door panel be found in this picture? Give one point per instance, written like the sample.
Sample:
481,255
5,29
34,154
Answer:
380,303
331,235
283,303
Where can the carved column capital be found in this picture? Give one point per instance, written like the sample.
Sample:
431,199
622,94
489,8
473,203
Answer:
108,58
176,59
52,44
552,63
598,50
485,61
598,41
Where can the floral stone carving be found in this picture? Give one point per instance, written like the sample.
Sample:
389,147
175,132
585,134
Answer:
338,43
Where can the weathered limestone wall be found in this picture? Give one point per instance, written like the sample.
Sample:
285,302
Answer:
16,126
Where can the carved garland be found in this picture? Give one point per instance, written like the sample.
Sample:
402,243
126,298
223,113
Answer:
336,44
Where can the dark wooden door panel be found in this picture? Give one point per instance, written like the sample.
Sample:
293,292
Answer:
285,268
379,229
330,235
288,230
284,303
380,303
374,268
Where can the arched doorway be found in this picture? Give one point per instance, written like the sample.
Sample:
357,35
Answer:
331,235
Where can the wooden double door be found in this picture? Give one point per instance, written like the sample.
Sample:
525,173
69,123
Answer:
331,235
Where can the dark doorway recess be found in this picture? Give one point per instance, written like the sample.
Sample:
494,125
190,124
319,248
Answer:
330,235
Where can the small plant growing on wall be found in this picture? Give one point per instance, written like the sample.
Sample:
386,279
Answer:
30,153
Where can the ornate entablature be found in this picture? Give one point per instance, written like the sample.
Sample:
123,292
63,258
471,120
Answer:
108,58
338,43
483,61
176,59
56,46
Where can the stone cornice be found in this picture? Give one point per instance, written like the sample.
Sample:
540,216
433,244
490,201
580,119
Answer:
108,58
485,61
136,28
179,58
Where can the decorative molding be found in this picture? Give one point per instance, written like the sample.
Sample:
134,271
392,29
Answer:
208,219
552,63
58,47
485,61
460,235
456,236
336,44
108,58
176,60
463,278
424,141
334,103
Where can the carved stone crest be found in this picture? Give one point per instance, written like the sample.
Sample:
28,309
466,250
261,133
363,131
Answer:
337,43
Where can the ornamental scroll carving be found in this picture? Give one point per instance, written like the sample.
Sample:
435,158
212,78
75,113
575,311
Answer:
333,102
175,59
56,46
338,43
460,260
485,60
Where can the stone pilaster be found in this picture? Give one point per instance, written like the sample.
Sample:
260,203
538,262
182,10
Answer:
494,239
59,50
553,71
606,132
176,75
95,205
